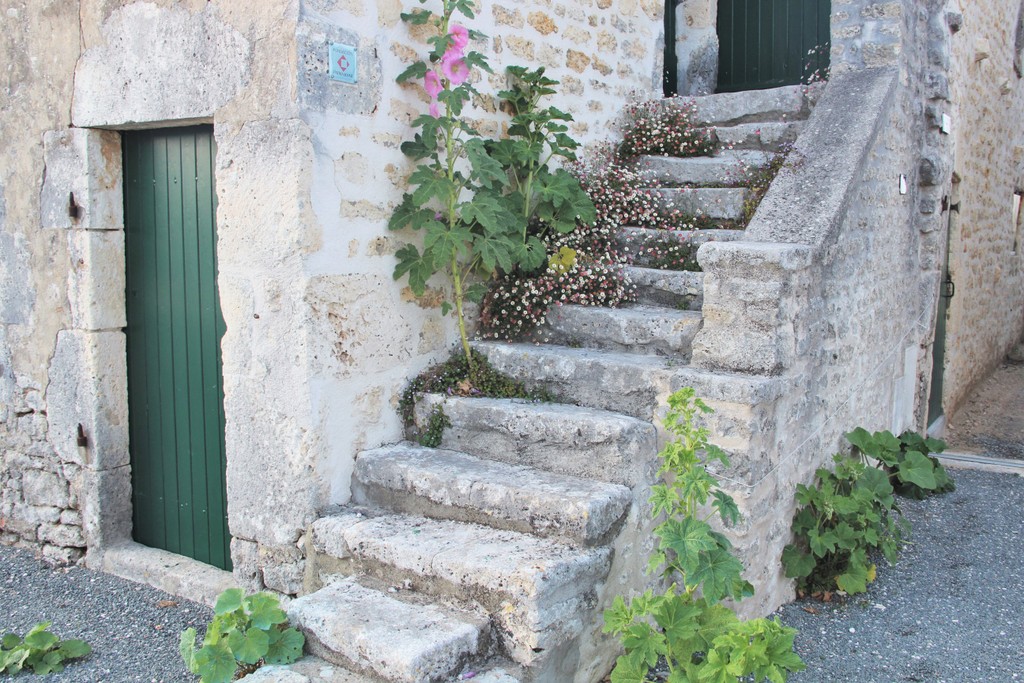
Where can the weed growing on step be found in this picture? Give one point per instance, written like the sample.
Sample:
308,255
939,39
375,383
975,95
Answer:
665,128
246,633
39,651
455,377
758,179
699,638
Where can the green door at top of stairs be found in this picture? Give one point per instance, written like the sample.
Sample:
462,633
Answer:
175,393
771,43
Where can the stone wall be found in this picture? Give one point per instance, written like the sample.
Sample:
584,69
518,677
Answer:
986,107
320,339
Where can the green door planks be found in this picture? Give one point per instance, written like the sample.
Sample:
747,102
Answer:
771,43
176,413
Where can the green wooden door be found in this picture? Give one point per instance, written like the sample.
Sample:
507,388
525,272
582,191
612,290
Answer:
176,414
770,43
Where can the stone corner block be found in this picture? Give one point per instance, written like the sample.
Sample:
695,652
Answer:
88,388
106,507
765,256
317,91
82,186
96,280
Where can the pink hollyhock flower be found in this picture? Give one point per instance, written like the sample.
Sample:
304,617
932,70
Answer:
432,84
459,36
435,109
454,68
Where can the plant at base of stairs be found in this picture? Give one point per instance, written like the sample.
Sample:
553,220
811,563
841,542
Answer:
667,128
245,633
913,471
849,515
484,205
699,638
39,650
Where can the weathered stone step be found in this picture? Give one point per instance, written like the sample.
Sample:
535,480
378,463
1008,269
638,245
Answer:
447,484
352,625
308,669
539,592
787,103
720,203
641,236
767,136
632,329
585,442
636,385
673,288
728,168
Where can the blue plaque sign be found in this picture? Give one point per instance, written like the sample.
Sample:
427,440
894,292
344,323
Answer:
342,60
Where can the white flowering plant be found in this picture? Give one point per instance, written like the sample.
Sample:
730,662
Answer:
656,127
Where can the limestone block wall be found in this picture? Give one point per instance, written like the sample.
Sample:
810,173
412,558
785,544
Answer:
320,339
986,257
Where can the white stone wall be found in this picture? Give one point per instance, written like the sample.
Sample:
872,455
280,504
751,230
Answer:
320,339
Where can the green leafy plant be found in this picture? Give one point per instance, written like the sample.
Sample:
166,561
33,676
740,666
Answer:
483,205
245,633
698,637
453,378
431,435
913,471
848,516
40,651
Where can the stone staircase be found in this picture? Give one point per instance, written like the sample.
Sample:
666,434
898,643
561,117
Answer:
496,552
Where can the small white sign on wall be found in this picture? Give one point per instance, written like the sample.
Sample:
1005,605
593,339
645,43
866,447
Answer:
343,63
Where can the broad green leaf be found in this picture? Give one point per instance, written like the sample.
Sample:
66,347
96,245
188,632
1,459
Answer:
229,601
877,482
413,71
187,648
443,243
215,663
628,670
249,646
718,574
917,469
15,660
797,563
264,610
617,617
486,170
419,269
38,639
286,647
417,17
677,619
494,252
431,185
73,649
687,538
643,644
10,641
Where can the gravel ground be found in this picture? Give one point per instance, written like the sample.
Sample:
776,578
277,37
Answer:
951,610
133,629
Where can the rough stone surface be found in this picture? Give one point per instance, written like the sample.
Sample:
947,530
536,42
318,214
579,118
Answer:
713,202
350,624
597,444
637,328
82,183
766,135
96,279
453,485
773,104
309,669
726,168
676,288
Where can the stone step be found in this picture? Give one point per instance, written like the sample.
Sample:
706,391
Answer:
788,103
766,136
632,329
355,626
308,669
679,289
669,249
585,442
728,168
636,385
539,592
447,484
720,203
